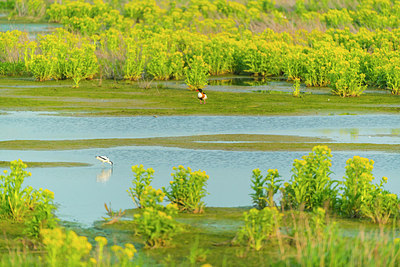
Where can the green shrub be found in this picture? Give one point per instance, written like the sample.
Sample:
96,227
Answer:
310,186
362,198
157,226
81,64
346,78
196,73
265,188
19,203
141,182
187,189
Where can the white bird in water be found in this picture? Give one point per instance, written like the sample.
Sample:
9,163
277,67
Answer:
104,159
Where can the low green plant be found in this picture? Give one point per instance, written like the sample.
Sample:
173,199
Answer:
259,226
296,87
42,67
81,64
142,179
381,207
66,248
156,225
363,198
196,73
346,79
332,247
356,186
187,189
265,188
14,198
136,60
197,254
42,215
310,185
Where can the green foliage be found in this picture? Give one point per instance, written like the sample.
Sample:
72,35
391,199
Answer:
346,79
66,248
265,188
14,198
141,182
10,69
18,203
337,18
187,189
310,186
293,63
63,55
265,58
196,73
13,45
42,216
333,248
85,18
142,10
362,198
81,63
218,55
392,72
260,225
319,62
296,87
30,8
156,225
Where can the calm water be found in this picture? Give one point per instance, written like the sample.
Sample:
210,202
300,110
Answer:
82,191
32,29
252,84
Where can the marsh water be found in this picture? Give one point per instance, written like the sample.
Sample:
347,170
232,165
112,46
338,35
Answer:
242,83
33,29
82,191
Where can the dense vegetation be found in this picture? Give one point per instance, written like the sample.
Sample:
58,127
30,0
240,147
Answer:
351,47
291,223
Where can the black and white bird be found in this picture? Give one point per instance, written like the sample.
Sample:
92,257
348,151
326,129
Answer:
104,159
201,96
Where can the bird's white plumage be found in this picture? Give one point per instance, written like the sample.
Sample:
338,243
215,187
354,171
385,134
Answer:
201,96
104,159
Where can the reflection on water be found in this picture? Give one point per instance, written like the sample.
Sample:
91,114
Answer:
395,132
238,81
104,175
352,132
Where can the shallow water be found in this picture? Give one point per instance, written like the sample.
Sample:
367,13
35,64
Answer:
252,84
33,29
378,129
82,191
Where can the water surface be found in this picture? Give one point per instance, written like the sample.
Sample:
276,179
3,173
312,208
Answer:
82,191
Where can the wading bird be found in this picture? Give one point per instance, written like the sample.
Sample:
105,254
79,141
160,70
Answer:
201,96
104,159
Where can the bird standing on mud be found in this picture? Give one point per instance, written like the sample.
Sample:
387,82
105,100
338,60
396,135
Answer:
104,159
201,96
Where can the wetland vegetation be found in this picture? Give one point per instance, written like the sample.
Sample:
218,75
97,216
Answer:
115,58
